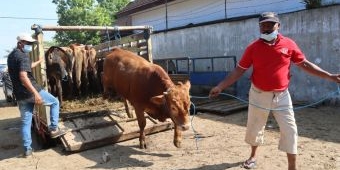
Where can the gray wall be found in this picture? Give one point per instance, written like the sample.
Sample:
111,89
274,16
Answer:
317,32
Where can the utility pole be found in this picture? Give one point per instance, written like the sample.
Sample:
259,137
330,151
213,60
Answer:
166,14
225,9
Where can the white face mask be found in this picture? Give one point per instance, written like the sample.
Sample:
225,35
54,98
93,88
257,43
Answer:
270,37
27,48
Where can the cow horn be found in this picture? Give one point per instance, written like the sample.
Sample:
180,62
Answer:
165,93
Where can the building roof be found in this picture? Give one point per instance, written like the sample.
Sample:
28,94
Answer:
140,5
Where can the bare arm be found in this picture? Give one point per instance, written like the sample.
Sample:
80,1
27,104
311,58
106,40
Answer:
317,71
27,83
34,64
227,81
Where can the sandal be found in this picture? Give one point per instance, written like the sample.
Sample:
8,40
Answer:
249,164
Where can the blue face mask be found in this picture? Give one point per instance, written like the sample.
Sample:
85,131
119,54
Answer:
270,37
27,48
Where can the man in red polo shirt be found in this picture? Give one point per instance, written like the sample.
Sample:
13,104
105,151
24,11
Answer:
271,56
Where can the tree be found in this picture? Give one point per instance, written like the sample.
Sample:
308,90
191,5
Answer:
113,6
48,44
85,13
310,4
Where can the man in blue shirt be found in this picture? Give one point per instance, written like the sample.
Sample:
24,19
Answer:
28,92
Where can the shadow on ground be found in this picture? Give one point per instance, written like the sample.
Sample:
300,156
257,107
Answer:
319,122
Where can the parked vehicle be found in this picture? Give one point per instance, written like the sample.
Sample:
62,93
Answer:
3,68
8,88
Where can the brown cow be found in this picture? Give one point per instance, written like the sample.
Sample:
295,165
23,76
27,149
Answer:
79,67
93,81
149,89
58,64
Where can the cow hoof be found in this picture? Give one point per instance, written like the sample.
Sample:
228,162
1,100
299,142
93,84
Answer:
177,144
142,145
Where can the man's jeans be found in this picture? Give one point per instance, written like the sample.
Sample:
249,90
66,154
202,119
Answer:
26,112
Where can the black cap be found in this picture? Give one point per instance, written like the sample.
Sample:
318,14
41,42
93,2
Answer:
269,17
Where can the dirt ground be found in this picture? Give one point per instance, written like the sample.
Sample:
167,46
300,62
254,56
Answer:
220,146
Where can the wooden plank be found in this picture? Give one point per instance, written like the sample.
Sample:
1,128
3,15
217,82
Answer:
228,106
142,44
92,132
80,146
120,42
213,105
134,43
220,105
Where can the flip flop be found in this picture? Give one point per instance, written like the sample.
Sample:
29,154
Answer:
249,164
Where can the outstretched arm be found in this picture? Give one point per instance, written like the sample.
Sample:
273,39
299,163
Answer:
227,81
317,71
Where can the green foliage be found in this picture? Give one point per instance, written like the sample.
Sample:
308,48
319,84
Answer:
85,13
310,4
113,6
48,44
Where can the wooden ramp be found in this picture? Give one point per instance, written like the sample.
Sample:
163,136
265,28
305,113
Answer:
220,106
91,130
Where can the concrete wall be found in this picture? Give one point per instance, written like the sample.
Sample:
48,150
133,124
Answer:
316,31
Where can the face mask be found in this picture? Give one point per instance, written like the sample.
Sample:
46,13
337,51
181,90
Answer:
27,48
270,37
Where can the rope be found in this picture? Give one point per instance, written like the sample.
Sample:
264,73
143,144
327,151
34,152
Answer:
196,136
337,92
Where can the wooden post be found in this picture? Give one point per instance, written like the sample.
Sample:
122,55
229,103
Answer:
90,28
42,80
39,73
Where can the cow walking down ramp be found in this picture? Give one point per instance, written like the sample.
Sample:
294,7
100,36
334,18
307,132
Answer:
149,89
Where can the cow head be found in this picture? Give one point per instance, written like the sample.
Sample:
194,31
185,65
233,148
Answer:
176,101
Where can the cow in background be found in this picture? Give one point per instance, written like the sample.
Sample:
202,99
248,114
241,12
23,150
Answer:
68,84
79,68
149,89
99,65
58,66
93,80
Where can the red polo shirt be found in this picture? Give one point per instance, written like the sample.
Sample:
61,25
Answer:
271,63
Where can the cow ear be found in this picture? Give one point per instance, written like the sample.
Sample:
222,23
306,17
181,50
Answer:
158,100
187,84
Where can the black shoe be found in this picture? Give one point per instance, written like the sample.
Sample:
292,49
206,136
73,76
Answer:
28,153
58,132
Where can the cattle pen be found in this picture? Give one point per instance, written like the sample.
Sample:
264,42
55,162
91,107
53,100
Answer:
93,128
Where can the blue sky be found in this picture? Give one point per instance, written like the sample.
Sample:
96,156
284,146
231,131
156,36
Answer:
11,27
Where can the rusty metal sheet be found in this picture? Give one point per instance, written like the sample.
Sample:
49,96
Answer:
91,130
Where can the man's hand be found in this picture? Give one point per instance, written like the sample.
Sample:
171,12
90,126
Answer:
214,92
38,99
336,78
34,64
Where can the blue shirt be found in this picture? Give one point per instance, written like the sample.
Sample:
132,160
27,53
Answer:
18,61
